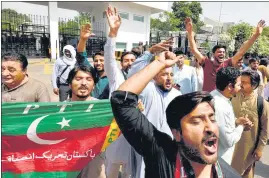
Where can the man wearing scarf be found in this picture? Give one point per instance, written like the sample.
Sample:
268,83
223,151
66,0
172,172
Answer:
61,69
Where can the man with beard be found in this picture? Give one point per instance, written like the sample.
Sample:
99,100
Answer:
185,76
98,62
217,61
61,69
156,96
228,83
82,80
193,151
250,147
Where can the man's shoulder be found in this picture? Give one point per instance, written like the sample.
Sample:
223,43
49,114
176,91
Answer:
227,170
215,94
175,92
228,62
34,82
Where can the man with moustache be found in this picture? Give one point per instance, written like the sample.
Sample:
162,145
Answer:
253,65
228,83
17,86
217,61
249,148
98,62
193,151
156,95
82,80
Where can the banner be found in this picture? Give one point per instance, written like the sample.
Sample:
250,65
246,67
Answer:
54,139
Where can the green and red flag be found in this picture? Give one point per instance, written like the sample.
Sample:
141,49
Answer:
54,139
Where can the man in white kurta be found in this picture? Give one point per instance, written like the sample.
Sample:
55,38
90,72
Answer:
119,152
228,83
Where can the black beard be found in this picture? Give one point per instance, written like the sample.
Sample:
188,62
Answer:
127,70
191,154
98,71
164,89
82,97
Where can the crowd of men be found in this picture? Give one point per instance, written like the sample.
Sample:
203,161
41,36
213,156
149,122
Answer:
206,120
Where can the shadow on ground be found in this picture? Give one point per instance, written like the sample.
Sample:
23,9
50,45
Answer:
262,169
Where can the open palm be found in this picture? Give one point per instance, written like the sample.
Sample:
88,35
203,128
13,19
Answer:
85,31
188,24
260,27
113,18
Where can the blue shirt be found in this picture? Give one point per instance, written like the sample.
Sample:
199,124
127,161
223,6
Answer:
186,78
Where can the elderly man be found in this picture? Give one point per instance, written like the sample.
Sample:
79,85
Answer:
17,86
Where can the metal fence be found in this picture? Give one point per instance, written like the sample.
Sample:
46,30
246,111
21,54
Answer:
29,34
25,34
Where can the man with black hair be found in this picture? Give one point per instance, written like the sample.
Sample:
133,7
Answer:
17,86
185,76
253,65
98,63
101,88
228,83
217,61
126,60
249,148
82,80
193,151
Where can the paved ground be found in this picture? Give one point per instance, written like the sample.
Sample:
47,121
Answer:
41,70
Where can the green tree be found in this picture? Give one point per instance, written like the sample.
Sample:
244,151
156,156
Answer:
240,32
265,31
72,26
12,20
206,45
228,41
167,21
243,31
182,10
261,46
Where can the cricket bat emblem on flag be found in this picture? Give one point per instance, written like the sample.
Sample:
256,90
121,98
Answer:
54,139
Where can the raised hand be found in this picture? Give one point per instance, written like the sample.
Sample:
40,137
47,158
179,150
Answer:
162,46
85,31
260,27
188,25
167,58
114,21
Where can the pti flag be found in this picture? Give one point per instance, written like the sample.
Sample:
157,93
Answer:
54,139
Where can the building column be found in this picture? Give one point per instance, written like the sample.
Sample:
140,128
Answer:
147,21
54,32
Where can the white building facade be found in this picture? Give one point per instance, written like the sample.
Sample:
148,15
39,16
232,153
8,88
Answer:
135,16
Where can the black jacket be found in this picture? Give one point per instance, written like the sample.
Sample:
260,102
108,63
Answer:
157,148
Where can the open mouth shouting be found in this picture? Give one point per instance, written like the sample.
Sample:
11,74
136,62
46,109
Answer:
211,145
168,84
